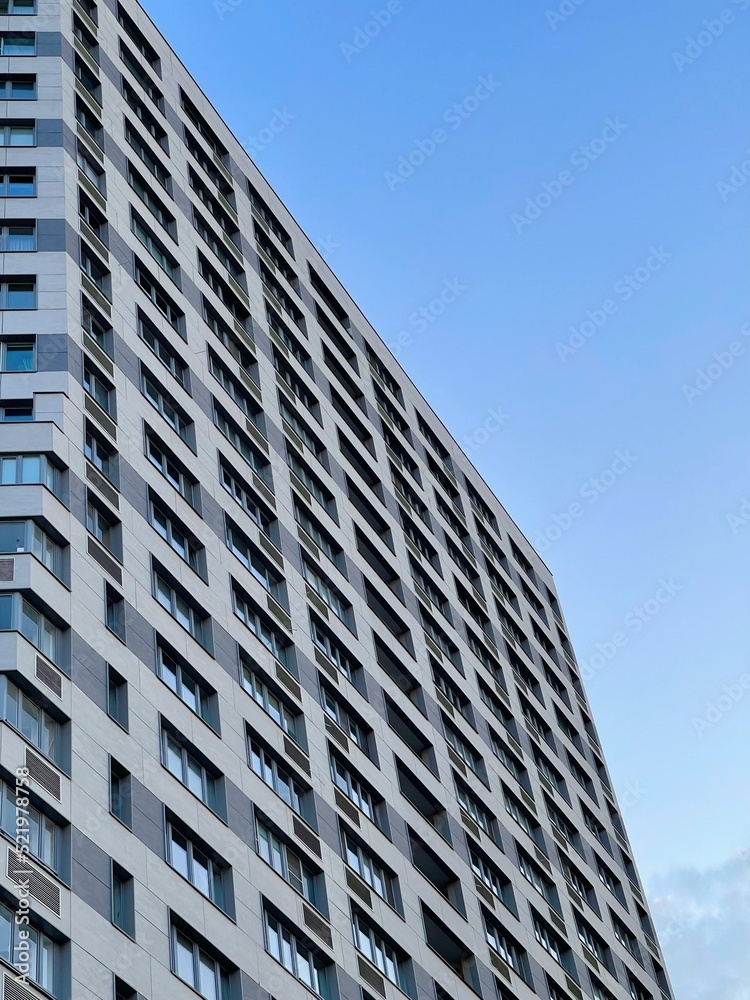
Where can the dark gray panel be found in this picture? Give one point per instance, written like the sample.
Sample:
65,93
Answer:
48,43
202,396
225,651
140,636
133,488
148,817
127,360
49,132
250,989
89,671
91,874
328,826
121,251
240,814
50,235
52,352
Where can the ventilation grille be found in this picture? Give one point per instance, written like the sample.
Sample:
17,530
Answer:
40,887
288,681
294,754
7,570
358,886
500,965
574,988
12,990
346,807
326,665
484,892
470,825
335,733
49,676
43,774
307,837
318,926
456,761
107,563
106,489
371,977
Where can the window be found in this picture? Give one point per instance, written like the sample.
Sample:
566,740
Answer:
117,697
216,243
86,119
247,553
506,947
103,525
464,750
142,112
283,945
17,237
193,861
317,533
172,470
441,639
354,789
166,306
26,536
534,875
33,722
186,685
289,341
286,862
165,404
486,871
156,248
187,547
173,598
472,806
375,947
29,828
333,651
18,615
626,938
148,85
101,454
451,692
250,615
242,494
223,290
510,761
191,772
18,293
19,43
262,210
161,349
19,355
320,493
89,167
237,347
275,776
235,390
139,40
114,612
612,883
636,989
17,411
16,937
155,206
591,940
89,80
18,183
361,860
344,718
524,819
328,593
123,901
17,6
553,944
195,966
120,793
300,428
580,885
147,158
16,470
99,388
272,704
242,442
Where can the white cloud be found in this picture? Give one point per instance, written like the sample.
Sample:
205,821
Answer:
703,921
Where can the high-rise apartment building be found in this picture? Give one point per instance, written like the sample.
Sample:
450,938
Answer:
294,695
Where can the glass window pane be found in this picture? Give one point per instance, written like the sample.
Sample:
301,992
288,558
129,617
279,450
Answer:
184,959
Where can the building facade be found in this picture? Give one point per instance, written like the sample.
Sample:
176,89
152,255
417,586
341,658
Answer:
289,695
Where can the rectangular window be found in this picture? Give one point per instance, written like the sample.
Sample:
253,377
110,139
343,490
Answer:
174,533
117,697
173,598
506,947
320,493
139,40
250,615
165,260
166,306
17,936
361,860
185,683
155,205
166,405
282,712
114,612
286,862
333,651
17,43
17,237
162,349
354,789
29,828
306,966
123,900
200,970
33,722
276,776
243,443
18,183
181,762
120,793
18,293
328,593
245,496
172,469
193,860
18,355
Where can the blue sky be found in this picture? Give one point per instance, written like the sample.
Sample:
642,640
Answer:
575,235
